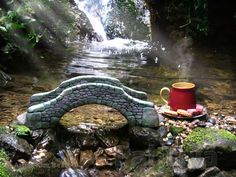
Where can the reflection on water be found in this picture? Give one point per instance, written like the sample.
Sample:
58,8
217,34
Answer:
213,73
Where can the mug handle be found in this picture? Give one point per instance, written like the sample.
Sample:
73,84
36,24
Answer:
163,89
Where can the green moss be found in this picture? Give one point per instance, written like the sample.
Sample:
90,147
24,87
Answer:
163,167
176,130
200,135
4,171
20,130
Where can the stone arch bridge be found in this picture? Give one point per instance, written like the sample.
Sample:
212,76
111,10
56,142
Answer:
47,108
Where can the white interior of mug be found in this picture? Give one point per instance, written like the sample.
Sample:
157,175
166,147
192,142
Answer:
183,85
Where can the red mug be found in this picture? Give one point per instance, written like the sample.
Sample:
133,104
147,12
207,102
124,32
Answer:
181,96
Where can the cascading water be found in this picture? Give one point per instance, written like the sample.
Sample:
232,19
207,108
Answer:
110,57
94,16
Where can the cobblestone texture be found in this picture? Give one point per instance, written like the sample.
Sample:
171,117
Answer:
48,108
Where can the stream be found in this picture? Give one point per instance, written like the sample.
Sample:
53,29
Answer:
214,77
93,139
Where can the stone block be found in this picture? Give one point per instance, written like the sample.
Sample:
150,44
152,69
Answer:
36,108
150,117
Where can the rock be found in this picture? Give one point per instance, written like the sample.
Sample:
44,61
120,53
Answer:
231,173
48,140
115,151
87,158
21,118
22,161
74,173
180,167
212,121
17,147
201,124
201,139
195,164
212,172
102,161
36,136
143,137
231,120
41,156
218,146
176,130
109,139
169,142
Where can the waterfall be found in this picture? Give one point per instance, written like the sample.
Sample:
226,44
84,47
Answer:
94,16
99,15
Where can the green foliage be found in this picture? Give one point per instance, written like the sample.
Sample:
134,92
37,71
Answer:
2,129
3,155
20,130
25,25
4,171
190,15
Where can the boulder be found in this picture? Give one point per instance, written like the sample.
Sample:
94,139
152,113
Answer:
145,137
196,164
212,172
15,146
217,146
201,139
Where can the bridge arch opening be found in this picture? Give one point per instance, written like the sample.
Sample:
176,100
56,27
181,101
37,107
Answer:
93,115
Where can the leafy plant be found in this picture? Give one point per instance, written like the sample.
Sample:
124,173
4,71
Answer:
21,130
4,171
25,25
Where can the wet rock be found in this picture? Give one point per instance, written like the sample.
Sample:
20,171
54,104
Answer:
41,156
106,173
195,164
74,173
103,161
133,162
143,137
115,151
88,141
212,172
48,140
39,170
180,167
36,136
109,139
87,158
17,147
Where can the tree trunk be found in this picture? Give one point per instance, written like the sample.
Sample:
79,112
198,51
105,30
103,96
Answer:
157,19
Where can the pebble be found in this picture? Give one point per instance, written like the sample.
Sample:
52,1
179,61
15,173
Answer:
169,136
201,124
169,142
222,116
212,121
